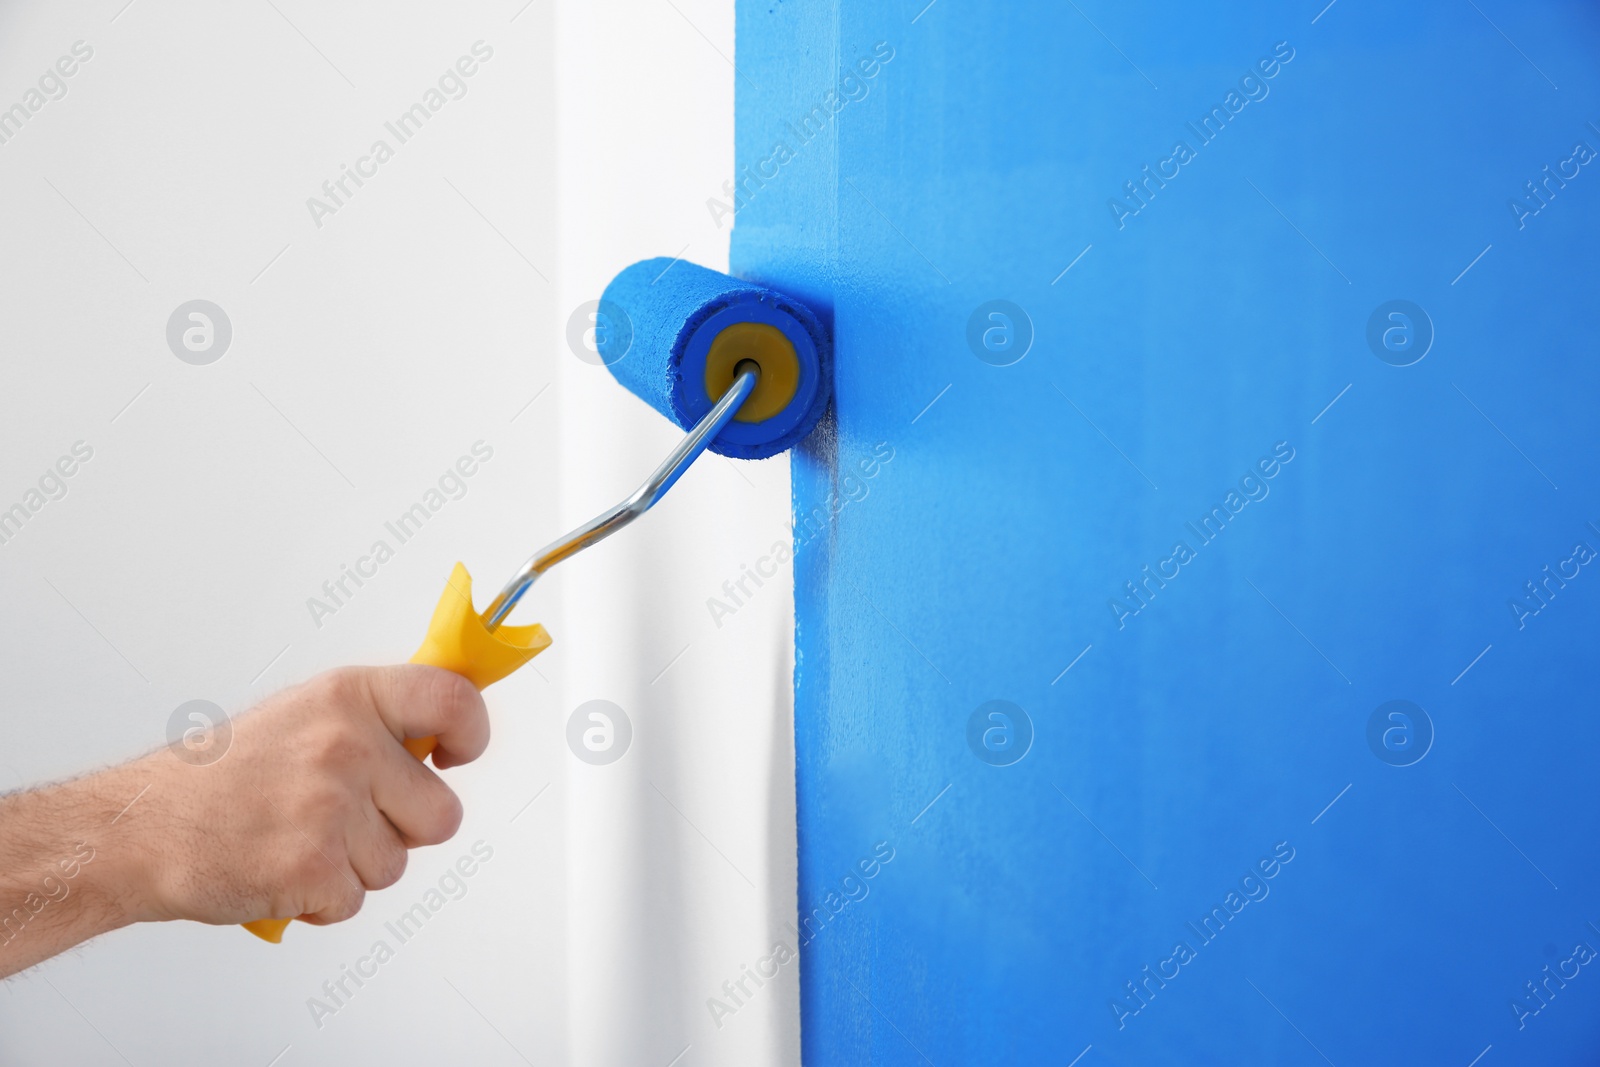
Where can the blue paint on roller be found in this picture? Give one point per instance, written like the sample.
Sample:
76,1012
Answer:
670,311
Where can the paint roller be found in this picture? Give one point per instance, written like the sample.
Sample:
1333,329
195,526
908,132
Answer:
746,371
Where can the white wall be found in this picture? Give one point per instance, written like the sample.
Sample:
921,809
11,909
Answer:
367,355
681,856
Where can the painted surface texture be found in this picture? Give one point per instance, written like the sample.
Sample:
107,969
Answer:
1266,503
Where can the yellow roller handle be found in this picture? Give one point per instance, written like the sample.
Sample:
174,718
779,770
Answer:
458,641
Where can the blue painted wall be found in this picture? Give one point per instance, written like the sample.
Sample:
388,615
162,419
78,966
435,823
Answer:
1370,551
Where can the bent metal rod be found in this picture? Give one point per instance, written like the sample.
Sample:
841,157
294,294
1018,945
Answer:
642,500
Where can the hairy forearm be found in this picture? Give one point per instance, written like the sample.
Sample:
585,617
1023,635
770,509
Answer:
70,865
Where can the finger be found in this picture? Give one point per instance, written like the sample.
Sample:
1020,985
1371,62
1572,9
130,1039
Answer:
345,904
377,852
422,809
418,701
336,892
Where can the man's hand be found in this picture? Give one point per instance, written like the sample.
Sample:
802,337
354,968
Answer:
315,802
